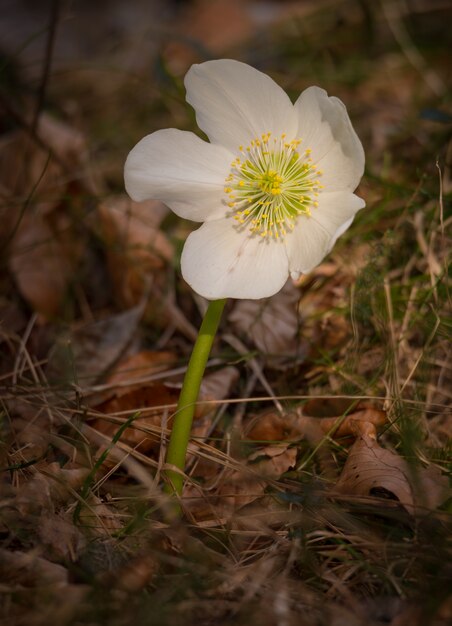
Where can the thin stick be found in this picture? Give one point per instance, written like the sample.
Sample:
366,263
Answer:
54,14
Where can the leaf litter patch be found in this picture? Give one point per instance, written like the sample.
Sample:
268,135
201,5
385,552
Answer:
323,507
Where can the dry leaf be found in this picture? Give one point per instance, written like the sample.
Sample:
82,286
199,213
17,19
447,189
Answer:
215,25
130,393
327,407
30,569
39,265
215,387
139,400
273,461
370,467
133,396
236,491
134,369
50,486
61,537
271,323
353,424
271,426
135,246
137,573
233,489
98,518
86,353
42,169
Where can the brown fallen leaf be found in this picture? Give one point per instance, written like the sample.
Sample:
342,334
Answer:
134,369
134,395
236,489
99,519
136,574
40,265
144,433
86,353
328,406
215,387
135,245
352,424
226,492
215,25
271,323
57,532
27,568
272,426
273,461
43,168
369,468
50,486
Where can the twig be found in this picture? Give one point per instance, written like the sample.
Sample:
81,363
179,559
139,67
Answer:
54,15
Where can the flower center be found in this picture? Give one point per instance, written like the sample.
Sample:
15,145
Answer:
271,184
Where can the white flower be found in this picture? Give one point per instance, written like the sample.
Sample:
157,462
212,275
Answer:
274,187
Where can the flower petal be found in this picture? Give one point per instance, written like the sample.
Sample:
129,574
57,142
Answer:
180,169
236,103
220,262
336,209
325,128
313,237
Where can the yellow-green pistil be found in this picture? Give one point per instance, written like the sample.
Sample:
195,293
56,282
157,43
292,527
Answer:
271,184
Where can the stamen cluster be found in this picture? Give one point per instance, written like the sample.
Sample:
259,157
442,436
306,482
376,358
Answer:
271,184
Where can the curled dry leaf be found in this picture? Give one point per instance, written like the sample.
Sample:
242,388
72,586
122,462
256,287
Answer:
271,323
370,468
272,426
353,424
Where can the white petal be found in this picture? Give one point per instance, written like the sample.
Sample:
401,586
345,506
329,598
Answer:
340,231
180,169
313,237
336,209
236,103
219,262
325,128
306,246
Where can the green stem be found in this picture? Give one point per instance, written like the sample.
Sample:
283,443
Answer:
181,429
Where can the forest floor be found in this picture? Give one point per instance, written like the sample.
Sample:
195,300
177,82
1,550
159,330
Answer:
317,487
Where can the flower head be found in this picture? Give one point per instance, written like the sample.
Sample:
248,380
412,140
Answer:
274,187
